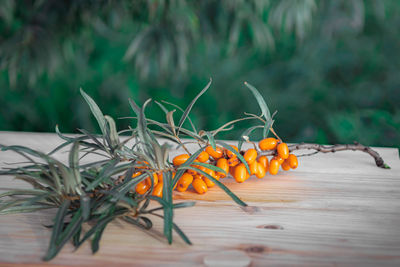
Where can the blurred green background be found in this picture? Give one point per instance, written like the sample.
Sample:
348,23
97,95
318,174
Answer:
330,68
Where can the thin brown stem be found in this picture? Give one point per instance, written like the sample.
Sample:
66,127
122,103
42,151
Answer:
274,133
334,148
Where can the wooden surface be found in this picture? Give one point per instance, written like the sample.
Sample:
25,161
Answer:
333,210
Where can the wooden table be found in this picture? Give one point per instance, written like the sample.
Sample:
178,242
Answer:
335,209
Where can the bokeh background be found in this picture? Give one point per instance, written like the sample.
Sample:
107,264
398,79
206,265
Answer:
330,68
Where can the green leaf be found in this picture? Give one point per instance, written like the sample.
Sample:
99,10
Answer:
119,191
68,179
211,139
181,109
74,164
85,206
267,126
261,102
170,120
181,234
99,226
76,238
142,125
112,130
147,222
163,108
95,111
168,207
96,239
23,192
225,145
57,228
104,173
56,178
189,107
24,209
247,132
211,167
72,228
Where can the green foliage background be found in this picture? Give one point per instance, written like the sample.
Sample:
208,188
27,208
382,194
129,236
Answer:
330,68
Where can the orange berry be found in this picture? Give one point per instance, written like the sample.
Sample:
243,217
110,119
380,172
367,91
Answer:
240,174
223,164
136,174
285,165
250,156
232,162
199,185
203,156
191,172
260,171
180,159
273,166
268,143
263,160
232,171
155,180
229,153
184,182
160,176
283,150
293,162
142,187
216,154
253,167
279,159
208,182
158,189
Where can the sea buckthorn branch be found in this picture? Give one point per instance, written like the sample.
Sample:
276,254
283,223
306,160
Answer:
341,147
127,178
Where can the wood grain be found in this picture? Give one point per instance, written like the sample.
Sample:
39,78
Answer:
335,209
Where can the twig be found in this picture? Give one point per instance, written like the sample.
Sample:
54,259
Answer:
334,148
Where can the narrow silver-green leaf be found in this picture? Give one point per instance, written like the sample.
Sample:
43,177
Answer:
181,109
24,209
95,111
189,107
168,208
23,192
181,234
163,108
211,139
58,225
74,165
261,102
211,167
85,205
112,131
170,120
247,132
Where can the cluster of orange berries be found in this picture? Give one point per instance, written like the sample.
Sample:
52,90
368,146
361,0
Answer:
228,161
